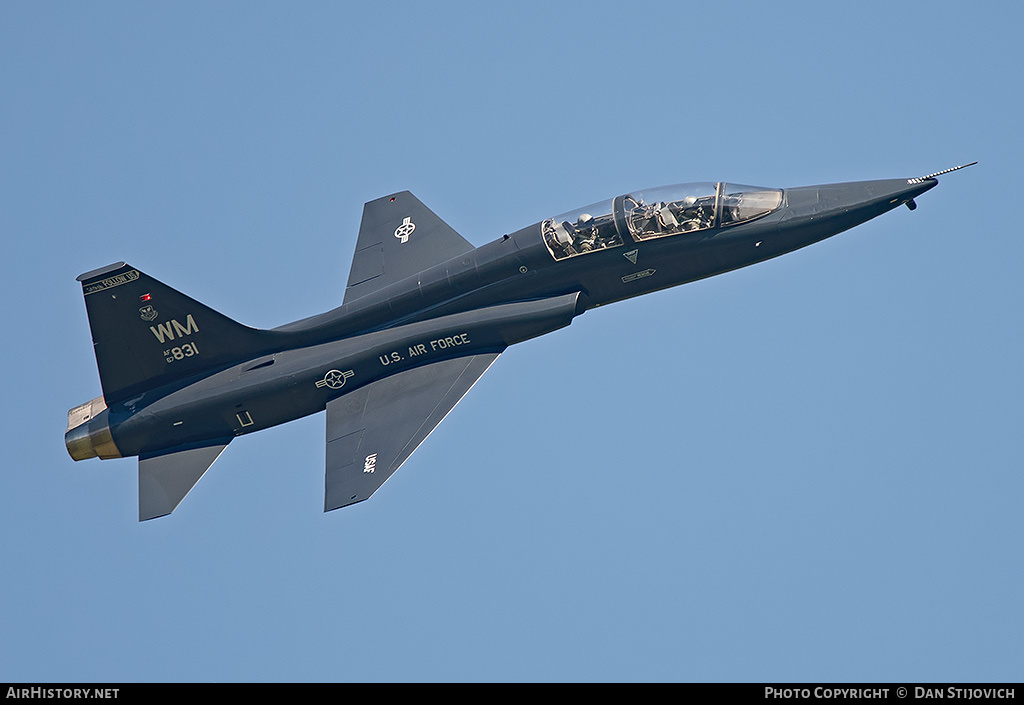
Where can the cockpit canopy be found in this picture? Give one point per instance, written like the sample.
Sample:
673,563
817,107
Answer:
585,230
656,213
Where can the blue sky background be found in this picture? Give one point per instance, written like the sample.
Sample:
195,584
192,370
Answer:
807,470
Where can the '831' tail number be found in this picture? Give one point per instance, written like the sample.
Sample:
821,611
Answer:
181,352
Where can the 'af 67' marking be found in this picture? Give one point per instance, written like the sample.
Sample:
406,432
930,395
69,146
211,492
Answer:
180,353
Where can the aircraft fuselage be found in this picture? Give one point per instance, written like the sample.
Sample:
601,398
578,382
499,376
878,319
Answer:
192,379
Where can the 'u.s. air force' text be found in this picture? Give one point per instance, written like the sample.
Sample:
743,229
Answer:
417,349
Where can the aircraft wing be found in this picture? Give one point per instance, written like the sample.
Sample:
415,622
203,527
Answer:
372,430
399,237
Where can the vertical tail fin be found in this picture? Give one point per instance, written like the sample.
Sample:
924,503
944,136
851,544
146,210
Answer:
146,334
398,237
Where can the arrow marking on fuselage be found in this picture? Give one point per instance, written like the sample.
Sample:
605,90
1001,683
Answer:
638,275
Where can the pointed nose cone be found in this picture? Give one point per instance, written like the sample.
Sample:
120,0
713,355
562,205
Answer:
871,197
817,212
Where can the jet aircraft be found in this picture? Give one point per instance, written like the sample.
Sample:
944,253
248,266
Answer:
424,315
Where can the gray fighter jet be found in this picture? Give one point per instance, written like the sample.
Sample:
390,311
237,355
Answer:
425,314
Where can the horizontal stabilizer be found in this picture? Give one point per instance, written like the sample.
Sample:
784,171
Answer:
372,430
166,477
399,237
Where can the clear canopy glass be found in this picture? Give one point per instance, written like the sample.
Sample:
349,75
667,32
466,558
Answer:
670,210
584,230
656,213
743,203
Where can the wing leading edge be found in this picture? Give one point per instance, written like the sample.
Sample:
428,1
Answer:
373,430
